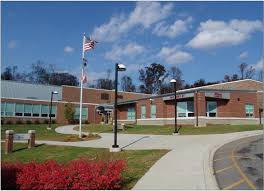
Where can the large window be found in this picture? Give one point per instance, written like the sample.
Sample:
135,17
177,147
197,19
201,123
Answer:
27,110
185,109
36,110
9,109
84,113
153,111
2,109
19,109
211,109
44,110
131,113
143,112
249,108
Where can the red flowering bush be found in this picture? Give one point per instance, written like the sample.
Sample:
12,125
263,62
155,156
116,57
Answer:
76,175
9,175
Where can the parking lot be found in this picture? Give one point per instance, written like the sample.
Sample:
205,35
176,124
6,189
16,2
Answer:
239,165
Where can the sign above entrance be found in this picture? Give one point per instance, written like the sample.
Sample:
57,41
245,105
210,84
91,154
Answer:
180,96
224,95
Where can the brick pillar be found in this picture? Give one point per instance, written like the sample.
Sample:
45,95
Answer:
9,136
199,108
32,136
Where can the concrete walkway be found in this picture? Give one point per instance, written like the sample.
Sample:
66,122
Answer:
187,166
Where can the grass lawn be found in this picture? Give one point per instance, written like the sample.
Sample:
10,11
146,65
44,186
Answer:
168,130
41,131
138,161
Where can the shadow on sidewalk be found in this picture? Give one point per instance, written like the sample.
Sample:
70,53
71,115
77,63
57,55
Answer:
134,142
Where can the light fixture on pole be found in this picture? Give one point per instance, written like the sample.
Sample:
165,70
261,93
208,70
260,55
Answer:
50,109
174,82
118,68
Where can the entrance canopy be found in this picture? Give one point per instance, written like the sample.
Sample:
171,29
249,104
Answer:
104,108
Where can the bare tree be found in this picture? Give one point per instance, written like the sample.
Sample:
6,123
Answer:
127,84
176,74
250,72
242,69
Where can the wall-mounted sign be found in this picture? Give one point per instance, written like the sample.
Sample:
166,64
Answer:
21,136
220,95
179,96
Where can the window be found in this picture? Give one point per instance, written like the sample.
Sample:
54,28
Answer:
104,96
84,113
9,109
249,108
153,111
53,111
143,112
211,109
44,110
2,109
19,109
181,109
27,110
190,109
131,113
36,110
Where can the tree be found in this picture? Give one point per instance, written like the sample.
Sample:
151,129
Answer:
69,111
11,73
199,83
176,74
127,84
63,79
151,77
246,72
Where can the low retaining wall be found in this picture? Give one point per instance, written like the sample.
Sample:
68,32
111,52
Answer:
202,121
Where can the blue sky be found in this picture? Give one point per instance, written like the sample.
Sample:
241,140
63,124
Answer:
204,39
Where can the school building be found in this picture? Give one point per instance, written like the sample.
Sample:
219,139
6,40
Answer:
238,102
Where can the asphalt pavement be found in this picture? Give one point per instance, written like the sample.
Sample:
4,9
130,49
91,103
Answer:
238,165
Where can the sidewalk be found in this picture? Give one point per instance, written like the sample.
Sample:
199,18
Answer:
186,166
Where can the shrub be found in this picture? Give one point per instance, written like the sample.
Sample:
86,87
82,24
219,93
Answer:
19,122
69,111
86,122
9,122
46,121
76,175
28,122
53,121
36,121
9,175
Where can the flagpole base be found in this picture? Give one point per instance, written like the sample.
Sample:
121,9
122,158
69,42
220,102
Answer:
115,149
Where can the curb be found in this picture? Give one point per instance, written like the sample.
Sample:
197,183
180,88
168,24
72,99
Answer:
212,183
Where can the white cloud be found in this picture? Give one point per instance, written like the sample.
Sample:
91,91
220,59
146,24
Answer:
243,55
145,14
171,31
259,65
173,55
119,52
68,49
12,44
219,33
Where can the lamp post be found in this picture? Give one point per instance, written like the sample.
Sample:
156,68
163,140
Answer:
50,109
118,68
174,82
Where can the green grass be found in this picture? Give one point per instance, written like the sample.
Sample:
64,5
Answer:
138,161
168,130
41,131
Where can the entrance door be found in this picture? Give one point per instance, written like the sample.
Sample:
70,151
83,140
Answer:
211,109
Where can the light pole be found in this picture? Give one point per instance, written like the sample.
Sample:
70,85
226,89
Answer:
50,109
118,68
174,82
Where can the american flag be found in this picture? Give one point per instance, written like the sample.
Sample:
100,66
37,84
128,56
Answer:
88,44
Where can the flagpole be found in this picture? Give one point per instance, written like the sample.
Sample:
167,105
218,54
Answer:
81,93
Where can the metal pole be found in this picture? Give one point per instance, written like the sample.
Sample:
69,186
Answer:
116,84
196,107
50,110
80,117
175,108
